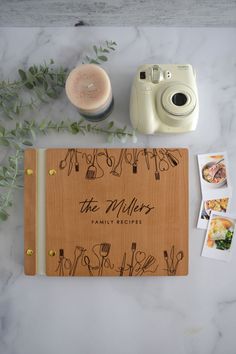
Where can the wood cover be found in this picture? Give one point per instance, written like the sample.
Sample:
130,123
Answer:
117,212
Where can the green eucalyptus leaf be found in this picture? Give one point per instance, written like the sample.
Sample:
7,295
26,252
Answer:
22,74
93,61
43,125
51,93
29,86
3,215
27,143
2,130
110,125
45,85
31,78
102,57
110,138
40,80
4,142
4,183
33,134
74,128
32,70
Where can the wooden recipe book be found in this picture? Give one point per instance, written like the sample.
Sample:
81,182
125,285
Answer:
106,212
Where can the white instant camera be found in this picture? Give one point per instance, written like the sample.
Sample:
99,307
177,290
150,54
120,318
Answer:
164,99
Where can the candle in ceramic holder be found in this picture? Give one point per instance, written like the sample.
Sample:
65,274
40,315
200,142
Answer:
88,88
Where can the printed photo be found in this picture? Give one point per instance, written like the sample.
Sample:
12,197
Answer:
220,235
214,175
207,206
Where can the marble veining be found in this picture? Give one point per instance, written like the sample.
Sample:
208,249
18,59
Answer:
182,315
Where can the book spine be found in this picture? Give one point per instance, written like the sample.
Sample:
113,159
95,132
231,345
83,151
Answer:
30,211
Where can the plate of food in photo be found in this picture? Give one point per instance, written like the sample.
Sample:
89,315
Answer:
215,205
220,233
214,174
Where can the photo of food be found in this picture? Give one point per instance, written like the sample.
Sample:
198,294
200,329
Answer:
214,175
214,171
220,233
219,240
220,205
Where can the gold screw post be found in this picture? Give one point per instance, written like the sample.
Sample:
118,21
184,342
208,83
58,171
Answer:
29,172
51,253
29,252
52,172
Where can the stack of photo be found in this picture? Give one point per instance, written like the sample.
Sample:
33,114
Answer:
214,213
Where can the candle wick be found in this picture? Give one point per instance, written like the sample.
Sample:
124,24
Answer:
90,85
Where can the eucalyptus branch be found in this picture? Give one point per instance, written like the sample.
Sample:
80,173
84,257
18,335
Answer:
101,53
41,82
24,133
10,179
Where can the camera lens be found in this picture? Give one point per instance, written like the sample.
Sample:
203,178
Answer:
179,99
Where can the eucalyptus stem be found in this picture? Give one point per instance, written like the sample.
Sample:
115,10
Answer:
9,176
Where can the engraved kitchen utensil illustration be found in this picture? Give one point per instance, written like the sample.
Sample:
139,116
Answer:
70,160
139,258
135,161
117,170
166,260
86,260
78,252
63,163
76,161
64,264
139,265
171,158
108,158
92,169
103,252
122,267
163,163
133,249
163,160
156,173
147,158
172,261
147,264
179,257
60,268
132,159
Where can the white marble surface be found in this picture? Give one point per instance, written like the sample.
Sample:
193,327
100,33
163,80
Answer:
182,315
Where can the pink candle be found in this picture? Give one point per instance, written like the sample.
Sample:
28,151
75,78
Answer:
88,88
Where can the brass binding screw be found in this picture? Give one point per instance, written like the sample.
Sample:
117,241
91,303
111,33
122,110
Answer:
29,252
51,253
29,172
52,172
